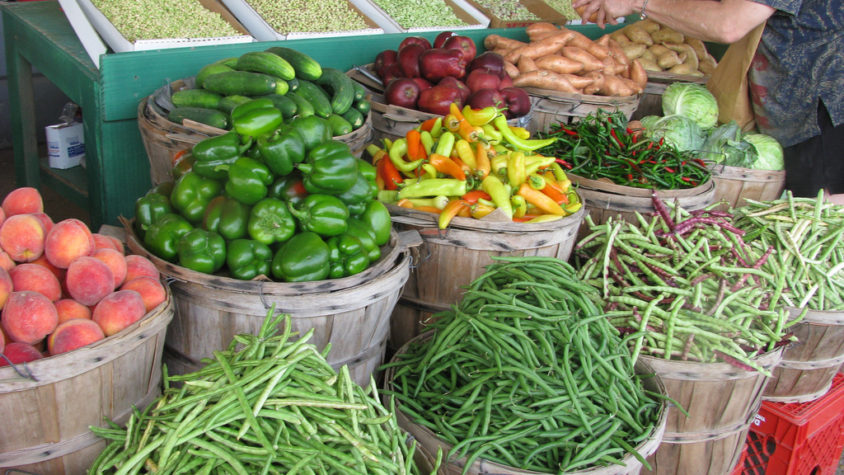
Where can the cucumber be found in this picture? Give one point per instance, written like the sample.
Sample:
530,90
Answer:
293,84
339,125
209,69
316,96
303,107
267,63
340,86
211,117
360,91
196,98
281,87
228,103
230,62
363,106
243,83
307,68
285,104
354,117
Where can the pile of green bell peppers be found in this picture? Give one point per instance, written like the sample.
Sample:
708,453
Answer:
271,198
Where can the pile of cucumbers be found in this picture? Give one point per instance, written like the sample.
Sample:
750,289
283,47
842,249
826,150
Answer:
296,83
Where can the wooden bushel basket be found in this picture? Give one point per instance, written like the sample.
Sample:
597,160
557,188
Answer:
452,258
352,314
721,400
549,108
809,365
431,443
46,415
734,185
163,139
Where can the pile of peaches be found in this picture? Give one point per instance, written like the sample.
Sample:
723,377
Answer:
62,286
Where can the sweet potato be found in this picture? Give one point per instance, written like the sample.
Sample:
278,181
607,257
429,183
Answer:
638,34
558,64
545,80
638,74
615,86
617,53
667,35
540,30
498,41
511,69
598,51
590,63
526,65
635,88
611,66
578,39
578,81
597,79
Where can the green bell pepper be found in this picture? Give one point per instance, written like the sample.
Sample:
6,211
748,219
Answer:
313,130
220,147
247,258
183,165
202,251
347,256
368,170
248,180
304,257
149,208
226,216
282,150
289,188
325,215
377,217
191,195
329,168
256,118
270,221
162,238
163,188
366,235
362,191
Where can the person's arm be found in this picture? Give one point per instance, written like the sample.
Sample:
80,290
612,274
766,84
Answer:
725,21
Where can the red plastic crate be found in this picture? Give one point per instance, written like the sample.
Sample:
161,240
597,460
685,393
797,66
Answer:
798,438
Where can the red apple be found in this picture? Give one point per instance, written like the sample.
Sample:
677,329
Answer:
415,40
488,61
480,79
464,44
516,100
485,98
402,92
437,63
438,99
384,59
390,72
440,39
452,81
408,59
423,83
506,81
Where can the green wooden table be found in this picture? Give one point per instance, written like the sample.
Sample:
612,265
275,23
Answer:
37,34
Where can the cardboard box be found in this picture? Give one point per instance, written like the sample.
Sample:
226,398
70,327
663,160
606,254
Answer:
119,43
65,145
462,9
539,8
263,31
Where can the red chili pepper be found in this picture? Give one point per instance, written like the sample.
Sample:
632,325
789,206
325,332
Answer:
661,141
699,162
670,170
564,163
629,177
617,140
683,163
650,145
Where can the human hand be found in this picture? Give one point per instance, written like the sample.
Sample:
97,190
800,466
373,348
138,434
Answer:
602,12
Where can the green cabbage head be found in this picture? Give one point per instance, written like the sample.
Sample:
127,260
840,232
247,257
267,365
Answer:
693,101
769,151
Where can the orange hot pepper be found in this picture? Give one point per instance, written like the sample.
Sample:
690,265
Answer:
482,159
389,174
468,131
447,166
428,125
454,110
473,196
452,209
540,200
415,149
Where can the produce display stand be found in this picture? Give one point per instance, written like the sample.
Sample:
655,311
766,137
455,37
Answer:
38,35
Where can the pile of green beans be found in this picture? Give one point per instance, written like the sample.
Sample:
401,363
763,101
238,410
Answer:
164,19
806,234
293,16
526,372
685,286
267,404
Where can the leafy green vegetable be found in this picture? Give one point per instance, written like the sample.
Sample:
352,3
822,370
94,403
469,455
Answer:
678,130
693,101
769,150
724,145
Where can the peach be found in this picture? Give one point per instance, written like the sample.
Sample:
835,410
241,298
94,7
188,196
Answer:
151,290
28,276
118,244
2,216
69,239
115,260
46,220
69,309
73,334
102,241
118,310
22,237
6,262
23,200
2,338
28,317
7,286
18,353
88,280
137,266
42,261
